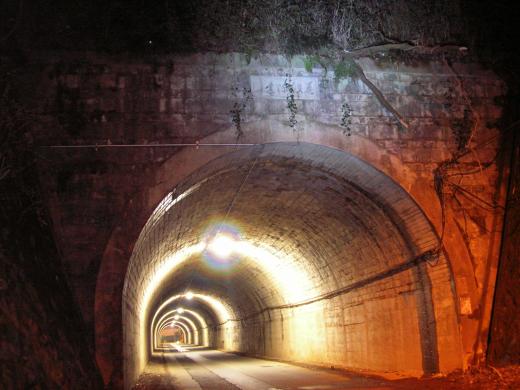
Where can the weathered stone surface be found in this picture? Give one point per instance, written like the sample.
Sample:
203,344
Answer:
504,339
93,194
42,338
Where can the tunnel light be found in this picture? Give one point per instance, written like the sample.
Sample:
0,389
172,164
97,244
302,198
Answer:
221,246
189,295
180,310
176,316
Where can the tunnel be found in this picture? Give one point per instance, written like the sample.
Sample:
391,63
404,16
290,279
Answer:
292,251
250,195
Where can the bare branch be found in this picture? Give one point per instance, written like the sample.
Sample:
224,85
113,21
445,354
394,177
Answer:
404,46
378,94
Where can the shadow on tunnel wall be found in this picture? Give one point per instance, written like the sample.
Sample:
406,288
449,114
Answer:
492,45
42,335
504,340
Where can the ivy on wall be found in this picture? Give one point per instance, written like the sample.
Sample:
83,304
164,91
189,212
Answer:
291,102
239,107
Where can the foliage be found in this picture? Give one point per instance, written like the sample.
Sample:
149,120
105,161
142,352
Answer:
310,61
291,103
238,109
283,26
343,69
346,118
250,53
461,129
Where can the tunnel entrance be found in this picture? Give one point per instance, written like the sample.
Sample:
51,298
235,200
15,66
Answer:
297,252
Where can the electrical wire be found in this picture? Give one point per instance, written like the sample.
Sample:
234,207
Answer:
165,145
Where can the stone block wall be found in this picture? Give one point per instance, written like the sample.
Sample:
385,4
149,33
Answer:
42,340
92,193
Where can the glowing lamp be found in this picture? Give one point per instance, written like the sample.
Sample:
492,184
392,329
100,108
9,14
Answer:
180,310
176,316
189,295
221,246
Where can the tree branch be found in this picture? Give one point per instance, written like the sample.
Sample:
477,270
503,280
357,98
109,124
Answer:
378,94
403,46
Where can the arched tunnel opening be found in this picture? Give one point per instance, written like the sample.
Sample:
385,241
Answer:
258,195
296,252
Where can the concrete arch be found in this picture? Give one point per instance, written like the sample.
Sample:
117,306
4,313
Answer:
219,309
203,326
261,132
184,336
179,318
187,331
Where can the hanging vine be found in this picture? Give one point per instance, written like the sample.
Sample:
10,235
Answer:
347,66
238,109
291,103
346,119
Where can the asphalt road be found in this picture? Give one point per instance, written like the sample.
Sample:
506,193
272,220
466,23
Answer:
209,369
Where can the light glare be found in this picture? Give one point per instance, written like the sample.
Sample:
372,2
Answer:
221,246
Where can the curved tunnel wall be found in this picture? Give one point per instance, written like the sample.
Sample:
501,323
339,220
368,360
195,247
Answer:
200,324
175,333
355,292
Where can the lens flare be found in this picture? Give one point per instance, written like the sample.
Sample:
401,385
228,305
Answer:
219,251
221,246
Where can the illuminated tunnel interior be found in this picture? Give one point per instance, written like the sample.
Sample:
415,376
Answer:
259,195
297,252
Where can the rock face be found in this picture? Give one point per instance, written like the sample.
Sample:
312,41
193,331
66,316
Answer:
42,339
505,327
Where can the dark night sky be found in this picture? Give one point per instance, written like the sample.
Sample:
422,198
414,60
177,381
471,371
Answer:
170,25
142,27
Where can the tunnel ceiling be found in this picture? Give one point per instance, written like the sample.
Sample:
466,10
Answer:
299,203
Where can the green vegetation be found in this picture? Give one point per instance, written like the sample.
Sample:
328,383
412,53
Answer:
345,68
291,103
346,118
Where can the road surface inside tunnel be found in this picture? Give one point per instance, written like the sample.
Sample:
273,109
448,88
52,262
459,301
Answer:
201,368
